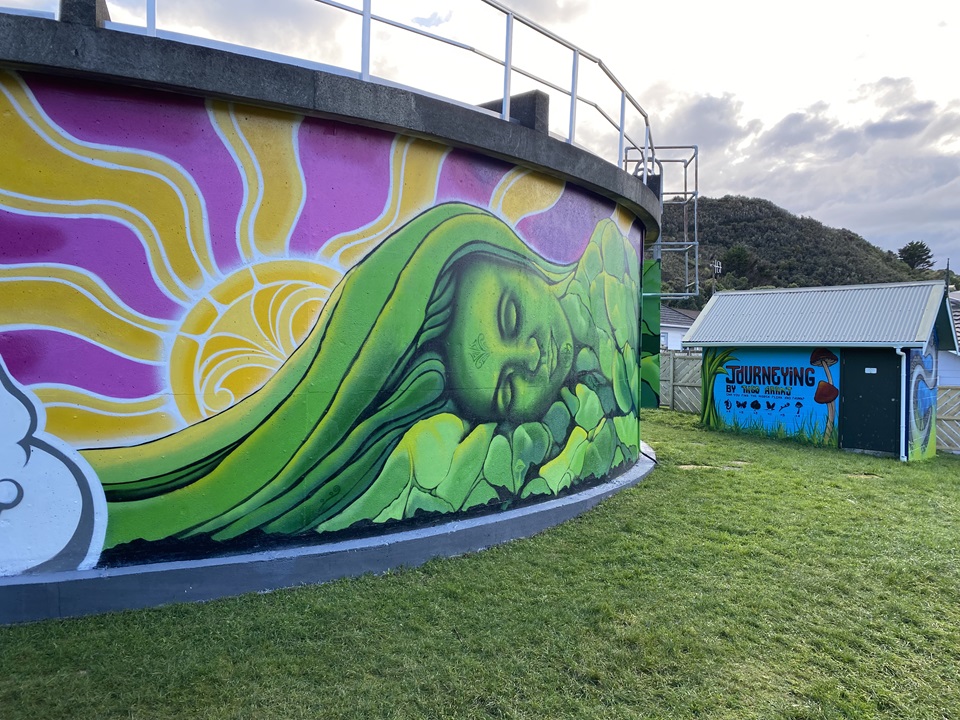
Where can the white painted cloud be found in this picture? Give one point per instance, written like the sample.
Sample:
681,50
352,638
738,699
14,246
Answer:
53,514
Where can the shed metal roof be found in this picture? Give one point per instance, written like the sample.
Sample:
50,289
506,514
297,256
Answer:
883,315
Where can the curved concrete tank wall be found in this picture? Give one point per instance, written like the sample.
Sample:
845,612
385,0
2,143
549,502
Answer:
263,316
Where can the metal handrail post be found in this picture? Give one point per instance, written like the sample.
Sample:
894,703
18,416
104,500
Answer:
646,151
365,41
507,68
152,18
623,119
573,97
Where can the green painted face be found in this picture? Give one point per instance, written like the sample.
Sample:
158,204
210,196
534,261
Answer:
509,347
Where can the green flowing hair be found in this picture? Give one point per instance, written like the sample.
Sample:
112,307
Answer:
347,427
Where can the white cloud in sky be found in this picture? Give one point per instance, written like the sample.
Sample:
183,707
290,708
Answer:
547,12
435,20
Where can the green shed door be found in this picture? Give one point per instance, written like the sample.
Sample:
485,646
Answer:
870,400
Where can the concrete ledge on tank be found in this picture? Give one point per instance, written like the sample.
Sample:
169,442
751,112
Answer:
81,49
60,595
530,109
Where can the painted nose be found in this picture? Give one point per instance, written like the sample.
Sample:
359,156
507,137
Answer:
531,355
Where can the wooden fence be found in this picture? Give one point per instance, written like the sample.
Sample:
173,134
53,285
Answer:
680,390
948,419
680,380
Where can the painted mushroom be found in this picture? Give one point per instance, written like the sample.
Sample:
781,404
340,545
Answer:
824,358
826,394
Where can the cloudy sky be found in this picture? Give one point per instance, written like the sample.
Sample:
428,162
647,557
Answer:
841,110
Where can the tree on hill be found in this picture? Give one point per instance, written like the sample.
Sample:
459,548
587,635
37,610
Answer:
917,255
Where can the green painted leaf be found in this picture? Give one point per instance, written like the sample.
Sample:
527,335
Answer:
537,486
587,361
570,400
592,262
633,263
618,311
497,466
420,500
559,472
530,444
621,385
591,411
432,443
614,257
557,420
617,457
385,500
607,351
467,465
598,306
628,430
579,317
482,494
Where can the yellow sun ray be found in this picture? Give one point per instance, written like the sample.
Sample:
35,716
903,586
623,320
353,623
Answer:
69,300
415,168
264,146
85,419
523,192
624,219
100,181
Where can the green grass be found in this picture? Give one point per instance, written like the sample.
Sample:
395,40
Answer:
744,578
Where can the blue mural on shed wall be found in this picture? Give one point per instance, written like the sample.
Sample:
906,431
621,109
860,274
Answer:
785,392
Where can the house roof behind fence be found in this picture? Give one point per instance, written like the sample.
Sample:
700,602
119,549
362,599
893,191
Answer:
674,318
883,315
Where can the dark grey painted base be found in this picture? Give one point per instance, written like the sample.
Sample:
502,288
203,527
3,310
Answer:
26,599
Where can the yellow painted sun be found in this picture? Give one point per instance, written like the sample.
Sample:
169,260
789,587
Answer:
233,340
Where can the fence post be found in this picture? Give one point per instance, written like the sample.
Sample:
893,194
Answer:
673,381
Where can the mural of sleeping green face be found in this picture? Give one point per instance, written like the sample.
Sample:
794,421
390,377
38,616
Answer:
509,346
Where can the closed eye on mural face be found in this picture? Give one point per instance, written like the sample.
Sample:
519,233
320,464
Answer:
505,393
508,316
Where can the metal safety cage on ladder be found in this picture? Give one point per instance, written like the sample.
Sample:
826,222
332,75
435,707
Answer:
675,175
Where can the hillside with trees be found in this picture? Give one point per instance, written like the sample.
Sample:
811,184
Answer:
763,245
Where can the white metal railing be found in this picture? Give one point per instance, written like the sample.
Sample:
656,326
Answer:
642,142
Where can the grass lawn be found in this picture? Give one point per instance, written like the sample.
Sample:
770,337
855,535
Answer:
744,578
